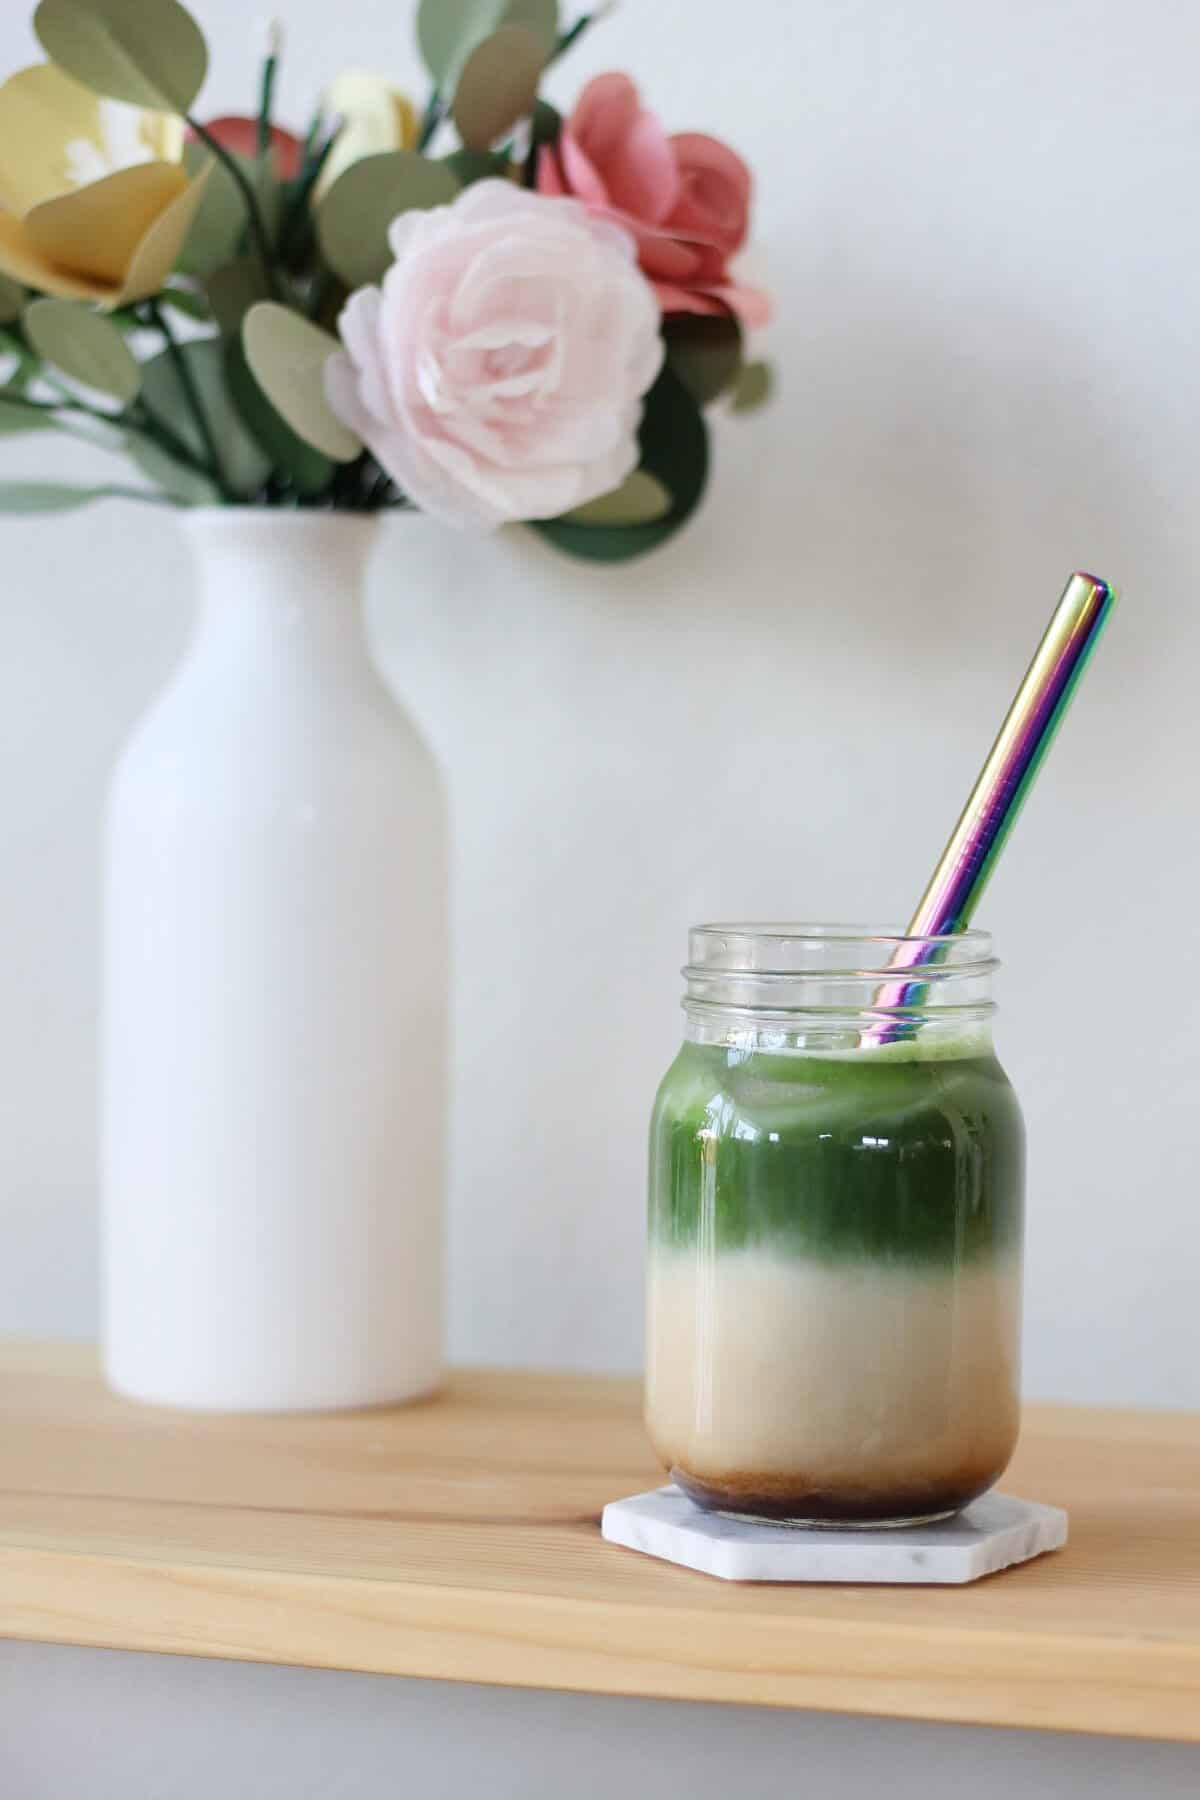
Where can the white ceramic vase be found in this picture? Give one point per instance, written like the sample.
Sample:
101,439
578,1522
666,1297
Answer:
274,1021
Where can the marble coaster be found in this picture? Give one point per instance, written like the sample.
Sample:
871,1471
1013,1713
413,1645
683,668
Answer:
993,1533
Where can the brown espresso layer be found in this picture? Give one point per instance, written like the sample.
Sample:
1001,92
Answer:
767,1495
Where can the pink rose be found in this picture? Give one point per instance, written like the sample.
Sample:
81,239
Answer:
686,198
498,373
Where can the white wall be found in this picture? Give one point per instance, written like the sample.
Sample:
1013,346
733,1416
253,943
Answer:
979,225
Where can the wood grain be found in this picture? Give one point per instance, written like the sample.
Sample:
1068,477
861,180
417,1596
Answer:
458,1539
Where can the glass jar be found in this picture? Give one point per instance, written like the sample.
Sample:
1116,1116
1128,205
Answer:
836,1197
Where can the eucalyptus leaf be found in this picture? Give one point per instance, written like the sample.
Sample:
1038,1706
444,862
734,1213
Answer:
674,450
640,499
448,30
467,166
15,418
498,85
287,356
146,52
753,387
354,216
307,468
188,301
84,345
269,190
12,300
706,353
243,462
55,496
27,366
188,486
233,290
538,16
220,219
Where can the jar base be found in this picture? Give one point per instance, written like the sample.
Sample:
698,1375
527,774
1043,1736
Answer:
779,1501
792,1524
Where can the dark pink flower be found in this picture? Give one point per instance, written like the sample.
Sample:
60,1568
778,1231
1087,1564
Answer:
686,199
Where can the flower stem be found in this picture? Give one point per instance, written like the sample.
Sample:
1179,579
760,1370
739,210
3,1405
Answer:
266,99
435,112
574,32
258,229
296,227
191,394
148,424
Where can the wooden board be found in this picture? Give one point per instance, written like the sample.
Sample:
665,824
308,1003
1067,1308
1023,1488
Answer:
458,1539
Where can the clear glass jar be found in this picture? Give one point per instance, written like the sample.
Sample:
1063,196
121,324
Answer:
836,1199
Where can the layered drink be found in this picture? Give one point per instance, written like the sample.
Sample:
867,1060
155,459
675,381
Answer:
834,1265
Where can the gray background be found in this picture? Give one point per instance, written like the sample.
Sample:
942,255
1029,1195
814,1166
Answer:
114,1726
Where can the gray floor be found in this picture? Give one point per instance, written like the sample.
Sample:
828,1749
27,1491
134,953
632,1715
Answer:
107,1725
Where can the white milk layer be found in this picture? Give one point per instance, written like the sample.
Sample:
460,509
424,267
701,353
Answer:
852,1376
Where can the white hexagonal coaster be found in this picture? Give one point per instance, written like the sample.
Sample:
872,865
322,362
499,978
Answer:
993,1533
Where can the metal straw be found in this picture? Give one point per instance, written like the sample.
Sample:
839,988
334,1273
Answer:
970,856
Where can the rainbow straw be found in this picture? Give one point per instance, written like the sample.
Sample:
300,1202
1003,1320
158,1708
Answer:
970,856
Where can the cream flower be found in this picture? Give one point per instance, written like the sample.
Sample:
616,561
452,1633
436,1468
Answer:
375,118
94,201
498,373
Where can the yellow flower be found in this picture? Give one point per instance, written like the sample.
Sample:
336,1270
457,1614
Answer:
375,117
94,201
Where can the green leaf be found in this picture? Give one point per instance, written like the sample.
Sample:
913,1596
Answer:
467,166
145,52
448,30
28,367
308,470
674,446
220,219
270,194
640,499
753,388
54,496
545,124
353,218
84,345
12,300
706,353
15,418
287,356
233,290
188,301
538,16
246,467
498,85
188,486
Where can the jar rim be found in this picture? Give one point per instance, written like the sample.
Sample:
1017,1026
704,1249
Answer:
980,942
838,975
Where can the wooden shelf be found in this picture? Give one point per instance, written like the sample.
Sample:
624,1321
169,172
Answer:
458,1539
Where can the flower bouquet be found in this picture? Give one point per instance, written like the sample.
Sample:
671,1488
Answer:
479,308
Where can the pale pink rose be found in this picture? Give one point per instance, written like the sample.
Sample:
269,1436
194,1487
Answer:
685,198
498,373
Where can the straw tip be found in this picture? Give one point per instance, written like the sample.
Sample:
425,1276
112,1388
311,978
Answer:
1096,581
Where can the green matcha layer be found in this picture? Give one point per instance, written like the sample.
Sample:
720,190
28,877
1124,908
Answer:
885,1154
